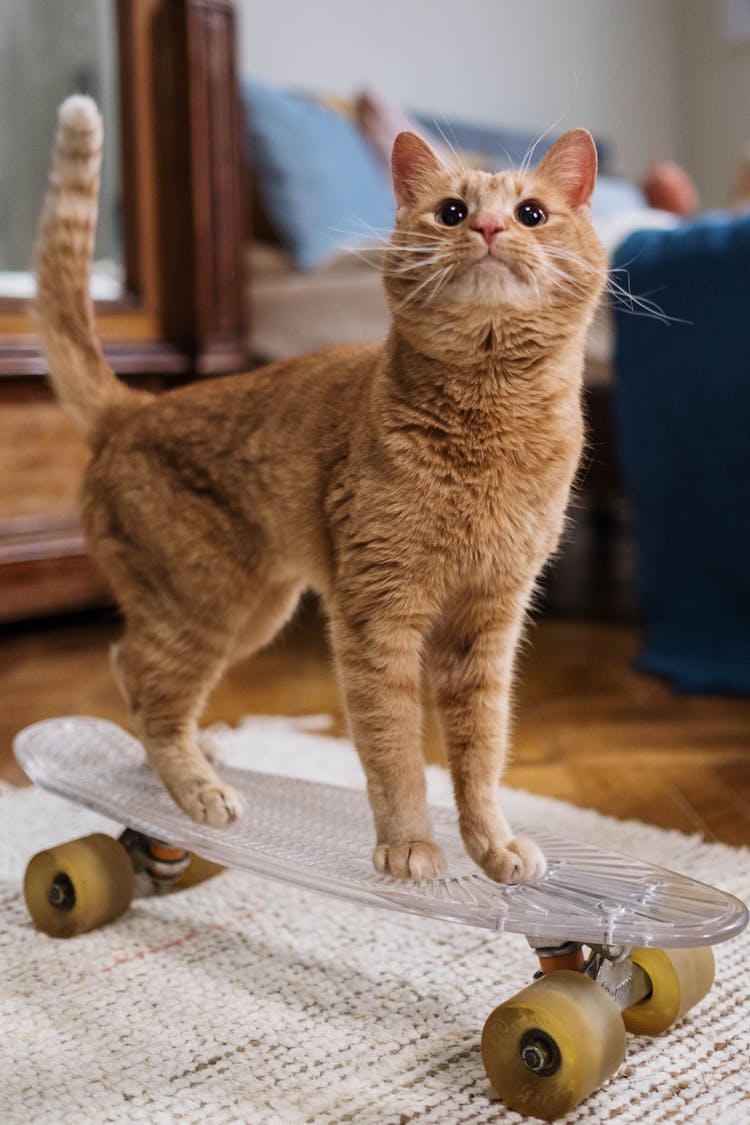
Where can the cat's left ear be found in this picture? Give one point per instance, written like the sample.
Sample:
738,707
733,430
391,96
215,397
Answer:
413,164
571,165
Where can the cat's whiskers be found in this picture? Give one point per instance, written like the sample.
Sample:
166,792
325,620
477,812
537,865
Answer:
462,167
621,296
437,278
384,246
387,235
530,276
568,284
420,248
529,154
425,255
428,260
442,281
639,306
562,254
384,239
575,283
395,248
356,253
358,233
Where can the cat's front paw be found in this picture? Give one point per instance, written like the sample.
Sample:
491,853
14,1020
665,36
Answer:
518,861
412,859
211,803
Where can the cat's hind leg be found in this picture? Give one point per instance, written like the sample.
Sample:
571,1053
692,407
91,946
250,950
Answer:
470,662
166,672
166,677
271,613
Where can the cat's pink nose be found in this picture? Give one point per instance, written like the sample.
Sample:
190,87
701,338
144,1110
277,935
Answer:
488,227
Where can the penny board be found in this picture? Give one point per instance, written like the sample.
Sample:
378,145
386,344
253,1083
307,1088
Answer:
321,837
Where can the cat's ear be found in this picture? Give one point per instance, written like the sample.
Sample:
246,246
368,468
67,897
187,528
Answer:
413,164
571,165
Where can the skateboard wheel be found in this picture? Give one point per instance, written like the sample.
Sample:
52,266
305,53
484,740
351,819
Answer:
78,886
550,1046
679,979
197,871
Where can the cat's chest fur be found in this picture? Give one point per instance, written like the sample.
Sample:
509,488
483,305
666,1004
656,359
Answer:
471,485
496,498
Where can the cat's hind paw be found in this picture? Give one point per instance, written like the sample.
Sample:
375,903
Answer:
412,859
518,861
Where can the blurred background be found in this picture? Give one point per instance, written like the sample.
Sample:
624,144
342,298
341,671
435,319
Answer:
664,80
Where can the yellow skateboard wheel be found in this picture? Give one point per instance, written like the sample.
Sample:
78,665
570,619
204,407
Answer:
553,1044
679,979
78,886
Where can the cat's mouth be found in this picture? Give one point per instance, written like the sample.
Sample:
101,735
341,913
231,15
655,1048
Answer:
492,276
496,260
499,264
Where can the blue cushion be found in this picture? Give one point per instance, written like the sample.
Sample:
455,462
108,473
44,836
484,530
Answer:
321,186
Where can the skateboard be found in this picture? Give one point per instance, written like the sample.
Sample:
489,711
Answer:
622,945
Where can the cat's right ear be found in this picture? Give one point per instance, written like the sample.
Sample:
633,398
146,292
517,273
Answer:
571,164
413,164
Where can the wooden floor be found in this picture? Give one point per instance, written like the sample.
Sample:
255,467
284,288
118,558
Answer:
588,729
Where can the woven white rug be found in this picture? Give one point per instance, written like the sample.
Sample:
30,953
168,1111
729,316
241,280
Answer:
246,1001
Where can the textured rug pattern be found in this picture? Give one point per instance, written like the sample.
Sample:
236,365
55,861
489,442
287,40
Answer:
243,1000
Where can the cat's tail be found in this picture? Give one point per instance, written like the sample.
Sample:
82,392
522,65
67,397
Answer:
81,376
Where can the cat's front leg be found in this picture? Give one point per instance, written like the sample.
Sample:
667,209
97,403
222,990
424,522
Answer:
378,653
471,662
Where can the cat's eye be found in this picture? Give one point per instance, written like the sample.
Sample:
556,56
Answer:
452,212
530,213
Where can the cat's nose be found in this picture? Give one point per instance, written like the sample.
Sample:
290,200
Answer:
488,227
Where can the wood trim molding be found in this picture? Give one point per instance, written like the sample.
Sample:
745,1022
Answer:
21,358
201,170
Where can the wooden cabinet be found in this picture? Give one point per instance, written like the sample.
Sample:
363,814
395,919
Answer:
181,315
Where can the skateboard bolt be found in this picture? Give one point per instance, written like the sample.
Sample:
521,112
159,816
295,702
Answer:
61,893
539,1052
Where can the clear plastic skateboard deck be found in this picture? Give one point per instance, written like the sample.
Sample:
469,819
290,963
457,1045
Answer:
320,837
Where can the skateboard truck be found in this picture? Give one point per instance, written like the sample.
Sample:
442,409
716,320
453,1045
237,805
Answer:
620,977
609,965
157,865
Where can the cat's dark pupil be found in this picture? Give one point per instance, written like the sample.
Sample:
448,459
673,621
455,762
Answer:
530,214
453,212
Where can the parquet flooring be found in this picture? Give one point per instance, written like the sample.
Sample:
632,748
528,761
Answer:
588,729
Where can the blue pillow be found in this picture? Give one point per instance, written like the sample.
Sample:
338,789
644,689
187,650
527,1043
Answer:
321,186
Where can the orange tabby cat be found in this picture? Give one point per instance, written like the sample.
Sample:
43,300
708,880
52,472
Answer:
417,484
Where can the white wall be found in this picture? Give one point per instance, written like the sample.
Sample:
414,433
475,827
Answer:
717,99
611,65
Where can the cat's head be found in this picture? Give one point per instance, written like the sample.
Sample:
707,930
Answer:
473,248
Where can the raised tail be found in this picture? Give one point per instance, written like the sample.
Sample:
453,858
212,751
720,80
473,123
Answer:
81,376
